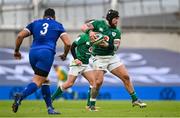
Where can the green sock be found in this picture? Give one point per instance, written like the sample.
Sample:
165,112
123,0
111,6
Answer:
57,93
133,96
92,102
88,96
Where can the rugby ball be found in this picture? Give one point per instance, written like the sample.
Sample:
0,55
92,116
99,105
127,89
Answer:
101,39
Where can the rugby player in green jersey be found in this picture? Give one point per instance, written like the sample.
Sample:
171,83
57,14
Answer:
80,50
104,53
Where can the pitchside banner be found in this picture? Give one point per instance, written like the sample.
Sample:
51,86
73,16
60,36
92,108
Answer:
155,74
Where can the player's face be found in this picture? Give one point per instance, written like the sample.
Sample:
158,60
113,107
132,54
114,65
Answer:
114,22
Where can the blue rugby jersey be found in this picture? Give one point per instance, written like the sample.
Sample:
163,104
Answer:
45,33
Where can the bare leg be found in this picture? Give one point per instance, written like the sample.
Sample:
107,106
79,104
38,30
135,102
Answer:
70,82
121,73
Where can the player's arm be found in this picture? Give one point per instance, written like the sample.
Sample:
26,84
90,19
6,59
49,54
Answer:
88,28
73,52
67,45
20,37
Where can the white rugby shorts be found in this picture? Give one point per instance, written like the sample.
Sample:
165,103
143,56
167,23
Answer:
105,63
76,70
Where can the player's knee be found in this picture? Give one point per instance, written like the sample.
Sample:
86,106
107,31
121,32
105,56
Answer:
39,81
98,83
126,78
70,84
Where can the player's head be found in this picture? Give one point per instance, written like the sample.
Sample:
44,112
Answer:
112,17
49,12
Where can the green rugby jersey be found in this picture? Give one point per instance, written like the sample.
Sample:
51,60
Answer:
83,48
113,33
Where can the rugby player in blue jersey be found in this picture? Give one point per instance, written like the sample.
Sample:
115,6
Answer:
45,34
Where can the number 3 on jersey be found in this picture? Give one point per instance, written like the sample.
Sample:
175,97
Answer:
45,29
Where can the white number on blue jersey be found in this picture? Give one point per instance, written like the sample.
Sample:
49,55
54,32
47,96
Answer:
45,29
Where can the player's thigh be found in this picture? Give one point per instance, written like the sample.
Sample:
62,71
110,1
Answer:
69,82
120,71
90,76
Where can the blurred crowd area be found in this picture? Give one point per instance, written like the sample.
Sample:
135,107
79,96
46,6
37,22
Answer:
139,19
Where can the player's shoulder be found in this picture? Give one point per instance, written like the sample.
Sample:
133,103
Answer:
100,20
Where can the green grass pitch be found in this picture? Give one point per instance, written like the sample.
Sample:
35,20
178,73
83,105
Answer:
107,109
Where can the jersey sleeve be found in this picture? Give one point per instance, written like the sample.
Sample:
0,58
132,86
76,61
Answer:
80,40
29,27
62,30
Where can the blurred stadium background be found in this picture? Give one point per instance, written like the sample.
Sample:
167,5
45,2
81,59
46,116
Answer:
150,45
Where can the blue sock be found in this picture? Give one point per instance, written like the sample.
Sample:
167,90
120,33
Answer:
31,88
46,95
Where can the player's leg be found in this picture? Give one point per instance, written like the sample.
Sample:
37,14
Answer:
69,83
99,76
89,75
122,73
72,75
61,77
46,58
99,69
31,88
88,96
57,92
46,93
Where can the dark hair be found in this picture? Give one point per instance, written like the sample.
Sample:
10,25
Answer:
111,14
49,12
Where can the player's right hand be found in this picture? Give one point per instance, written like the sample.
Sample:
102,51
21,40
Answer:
78,62
92,36
17,55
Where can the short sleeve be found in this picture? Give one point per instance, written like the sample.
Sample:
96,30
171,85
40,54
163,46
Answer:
62,30
29,27
80,40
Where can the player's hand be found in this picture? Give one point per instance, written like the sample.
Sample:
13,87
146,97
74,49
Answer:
77,62
17,55
63,57
104,44
92,36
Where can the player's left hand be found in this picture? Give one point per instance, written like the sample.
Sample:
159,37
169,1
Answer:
17,55
63,57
